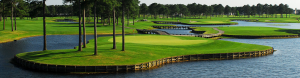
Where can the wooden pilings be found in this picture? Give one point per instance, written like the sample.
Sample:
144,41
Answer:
142,66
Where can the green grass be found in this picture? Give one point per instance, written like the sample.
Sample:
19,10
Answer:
255,31
208,30
34,27
137,52
159,40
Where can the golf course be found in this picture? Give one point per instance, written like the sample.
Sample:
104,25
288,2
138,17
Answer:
140,48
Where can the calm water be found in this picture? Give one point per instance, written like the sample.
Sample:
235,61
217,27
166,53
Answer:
283,63
241,23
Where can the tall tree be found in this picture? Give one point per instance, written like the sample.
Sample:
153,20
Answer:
281,9
199,10
286,9
174,10
253,10
144,9
247,10
192,8
12,14
266,9
233,10
44,25
95,29
183,10
227,10
152,9
205,9
259,8
80,36
210,10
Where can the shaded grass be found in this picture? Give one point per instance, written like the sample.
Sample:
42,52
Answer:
135,52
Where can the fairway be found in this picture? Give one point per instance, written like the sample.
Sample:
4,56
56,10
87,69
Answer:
255,31
137,51
159,40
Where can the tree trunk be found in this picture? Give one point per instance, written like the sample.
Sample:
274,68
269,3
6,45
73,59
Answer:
127,17
108,20
95,30
97,19
133,21
15,21
80,36
84,31
12,16
3,22
3,17
44,25
117,20
123,29
114,29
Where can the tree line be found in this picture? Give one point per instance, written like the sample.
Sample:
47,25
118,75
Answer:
218,10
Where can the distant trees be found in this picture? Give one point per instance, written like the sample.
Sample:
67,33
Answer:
197,10
227,10
143,9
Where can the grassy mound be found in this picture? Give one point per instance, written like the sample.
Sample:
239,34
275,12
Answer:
138,52
254,31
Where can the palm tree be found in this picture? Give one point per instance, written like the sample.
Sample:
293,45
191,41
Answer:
84,31
12,15
80,36
123,28
114,28
95,28
44,25
3,8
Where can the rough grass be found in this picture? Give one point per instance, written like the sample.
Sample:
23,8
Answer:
135,52
255,31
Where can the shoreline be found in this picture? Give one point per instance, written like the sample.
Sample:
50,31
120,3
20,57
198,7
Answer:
141,66
16,39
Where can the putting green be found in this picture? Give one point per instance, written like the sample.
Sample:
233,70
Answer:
158,40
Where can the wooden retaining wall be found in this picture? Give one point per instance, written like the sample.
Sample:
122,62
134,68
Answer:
142,66
259,37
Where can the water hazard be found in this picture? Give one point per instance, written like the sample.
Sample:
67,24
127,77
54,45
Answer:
283,63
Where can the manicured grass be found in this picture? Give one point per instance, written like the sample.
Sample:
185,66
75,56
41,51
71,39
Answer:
159,40
208,30
34,27
137,52
255,31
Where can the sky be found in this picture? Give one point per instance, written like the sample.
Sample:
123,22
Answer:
292,3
